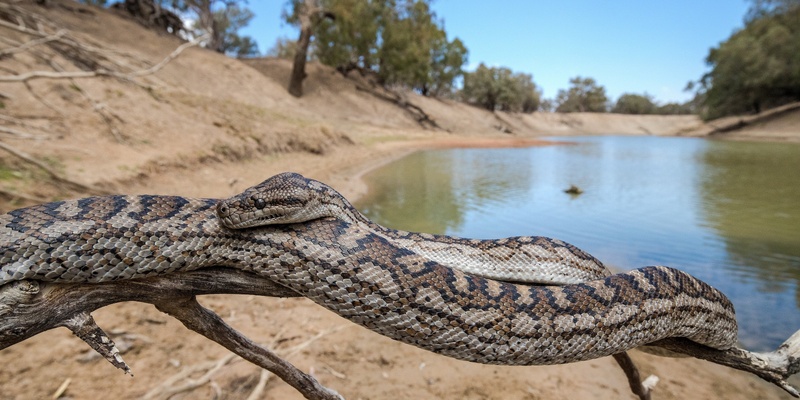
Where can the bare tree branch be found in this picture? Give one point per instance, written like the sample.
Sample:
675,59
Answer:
638,387
170,57
20,134
28,308
32,43
53,174
102,72
774,367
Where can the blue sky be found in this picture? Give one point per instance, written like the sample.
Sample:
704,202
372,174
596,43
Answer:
627,46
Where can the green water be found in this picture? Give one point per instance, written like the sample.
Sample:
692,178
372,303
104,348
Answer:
726,212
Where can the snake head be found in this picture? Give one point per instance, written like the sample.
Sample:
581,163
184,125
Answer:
285,198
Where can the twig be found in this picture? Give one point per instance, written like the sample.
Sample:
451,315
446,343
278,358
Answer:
170,57
107,115
101,72
32,43
16,121
20,134
205,322
54,175
42,99
168,387
258,390
775,367
634,379
28,308
61,389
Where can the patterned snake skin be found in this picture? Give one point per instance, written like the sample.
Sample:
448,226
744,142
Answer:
363,274
291,198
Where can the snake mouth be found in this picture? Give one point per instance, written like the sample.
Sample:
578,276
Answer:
259,218
233,222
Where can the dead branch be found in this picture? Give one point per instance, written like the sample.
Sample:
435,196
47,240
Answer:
129,77
33,43
20,134
638,387
774,367
182,381
53,174
170,387
16,121
97,51
422,118
169,57
28,308
101,109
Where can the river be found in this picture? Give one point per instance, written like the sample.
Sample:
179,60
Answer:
726,212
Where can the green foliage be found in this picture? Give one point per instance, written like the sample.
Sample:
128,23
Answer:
447,59
585,95
757,67
501,89
98,3
401,42
763,8
630,103
283,48
222,19
227,22
350,40
675,109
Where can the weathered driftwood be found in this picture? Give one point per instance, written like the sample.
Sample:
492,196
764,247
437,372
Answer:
28,308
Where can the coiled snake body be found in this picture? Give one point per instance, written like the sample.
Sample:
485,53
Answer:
398,284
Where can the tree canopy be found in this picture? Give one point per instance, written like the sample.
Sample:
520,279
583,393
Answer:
584,95
758,67
403,43
499,88
220,19
630,103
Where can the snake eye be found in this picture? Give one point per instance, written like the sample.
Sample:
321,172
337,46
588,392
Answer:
260,203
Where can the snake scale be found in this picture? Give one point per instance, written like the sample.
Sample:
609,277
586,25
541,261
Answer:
399,284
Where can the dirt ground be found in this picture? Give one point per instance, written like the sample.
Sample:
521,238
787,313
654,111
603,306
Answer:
210,126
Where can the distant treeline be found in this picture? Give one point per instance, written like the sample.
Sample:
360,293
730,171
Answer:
404,44
758,67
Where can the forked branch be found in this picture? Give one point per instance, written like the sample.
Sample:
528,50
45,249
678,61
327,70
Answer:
28,308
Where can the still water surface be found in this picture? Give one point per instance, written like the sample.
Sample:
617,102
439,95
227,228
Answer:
726,212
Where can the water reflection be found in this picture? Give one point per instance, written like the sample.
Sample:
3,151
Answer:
435,191
750,198
729,213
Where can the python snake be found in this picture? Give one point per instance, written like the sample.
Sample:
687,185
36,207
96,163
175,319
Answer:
372,275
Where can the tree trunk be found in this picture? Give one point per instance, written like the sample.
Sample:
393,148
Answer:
300,56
